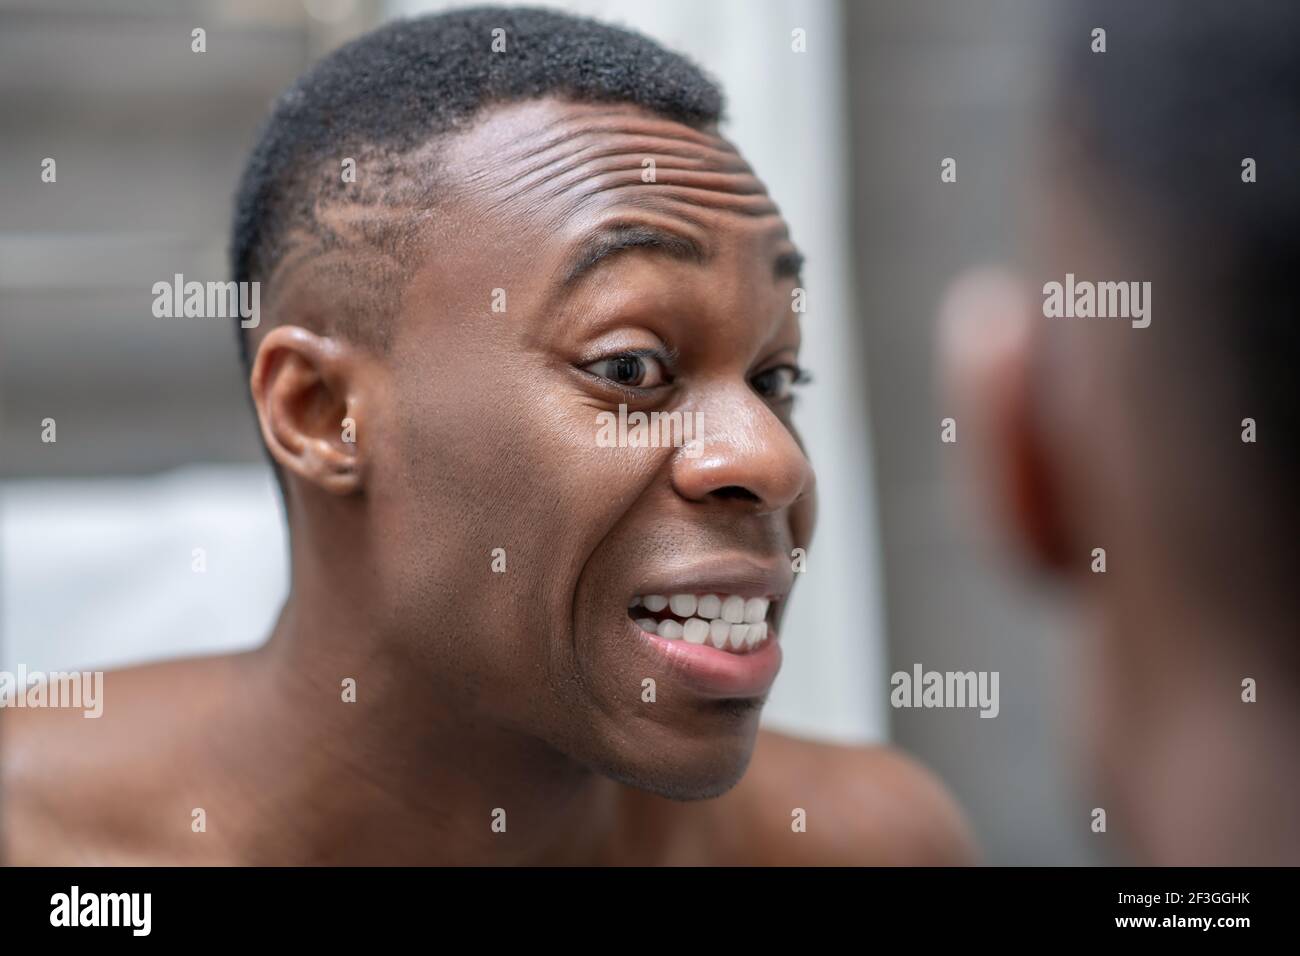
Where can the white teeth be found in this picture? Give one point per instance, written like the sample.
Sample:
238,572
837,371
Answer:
739,635
728,622
733,609
723,636
696,631
683,605
710,607
718,632
670,630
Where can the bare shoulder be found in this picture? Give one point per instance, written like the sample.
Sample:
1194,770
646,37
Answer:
823,804
82,785
48,783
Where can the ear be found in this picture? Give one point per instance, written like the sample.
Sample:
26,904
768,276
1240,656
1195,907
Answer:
988,339
304,385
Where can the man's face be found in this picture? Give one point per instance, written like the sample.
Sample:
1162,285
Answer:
529,318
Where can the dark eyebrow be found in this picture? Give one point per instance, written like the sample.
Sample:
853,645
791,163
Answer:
789,265
612,240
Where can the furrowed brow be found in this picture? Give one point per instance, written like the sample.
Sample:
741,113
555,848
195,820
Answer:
611,241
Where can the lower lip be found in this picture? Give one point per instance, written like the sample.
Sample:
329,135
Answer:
714,673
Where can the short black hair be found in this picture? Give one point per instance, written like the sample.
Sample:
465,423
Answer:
1184,93
396,88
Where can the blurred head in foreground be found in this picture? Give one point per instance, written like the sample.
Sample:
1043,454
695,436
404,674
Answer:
1132,409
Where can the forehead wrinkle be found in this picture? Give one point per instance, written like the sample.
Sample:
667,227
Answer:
615,158
542,135
593,124
594,160
739,192
638,205
588,137
557,174
754,206
549,168
583,193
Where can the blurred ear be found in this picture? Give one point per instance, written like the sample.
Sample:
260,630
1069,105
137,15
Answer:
304,386
987,342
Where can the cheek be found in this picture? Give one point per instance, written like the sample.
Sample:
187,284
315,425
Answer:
497,497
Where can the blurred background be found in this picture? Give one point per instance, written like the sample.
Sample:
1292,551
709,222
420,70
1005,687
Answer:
157,453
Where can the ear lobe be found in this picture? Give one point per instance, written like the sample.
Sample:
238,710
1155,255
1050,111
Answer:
987,344
307,394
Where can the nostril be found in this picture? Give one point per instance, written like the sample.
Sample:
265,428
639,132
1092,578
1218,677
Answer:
735,493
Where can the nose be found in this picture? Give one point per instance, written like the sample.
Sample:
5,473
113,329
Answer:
747,455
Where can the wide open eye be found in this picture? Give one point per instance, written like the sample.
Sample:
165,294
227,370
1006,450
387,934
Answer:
777,384
631,370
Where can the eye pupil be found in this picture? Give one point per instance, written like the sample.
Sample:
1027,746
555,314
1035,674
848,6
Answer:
626,369
777,383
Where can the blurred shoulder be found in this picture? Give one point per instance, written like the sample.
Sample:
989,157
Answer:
825,804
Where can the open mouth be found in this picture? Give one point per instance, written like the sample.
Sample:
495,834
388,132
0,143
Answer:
728,622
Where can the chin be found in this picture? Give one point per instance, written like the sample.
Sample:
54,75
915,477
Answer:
690,765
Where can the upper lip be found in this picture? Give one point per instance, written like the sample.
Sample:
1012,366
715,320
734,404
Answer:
743,575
